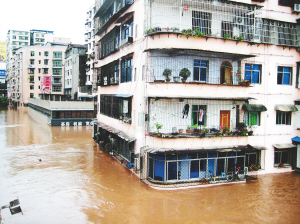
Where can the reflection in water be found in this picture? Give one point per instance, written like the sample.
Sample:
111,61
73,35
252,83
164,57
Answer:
76,182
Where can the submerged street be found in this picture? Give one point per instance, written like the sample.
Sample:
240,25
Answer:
62,176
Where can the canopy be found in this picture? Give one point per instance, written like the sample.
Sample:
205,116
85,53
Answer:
284,146
296,139
254,107
286,107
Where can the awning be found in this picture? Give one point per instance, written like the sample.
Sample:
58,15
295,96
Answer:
286,107
204,98
254,107
296,139
123,95
206,149
116,132
284,146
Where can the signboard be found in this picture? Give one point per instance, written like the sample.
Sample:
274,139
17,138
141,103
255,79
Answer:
46,84
2,74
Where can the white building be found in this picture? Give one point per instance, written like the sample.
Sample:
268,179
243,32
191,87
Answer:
41,37
36,70
2,71
75,70
213,124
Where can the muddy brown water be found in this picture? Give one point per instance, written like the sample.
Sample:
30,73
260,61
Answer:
76,182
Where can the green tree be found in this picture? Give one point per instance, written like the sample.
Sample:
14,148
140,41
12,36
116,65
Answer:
3,101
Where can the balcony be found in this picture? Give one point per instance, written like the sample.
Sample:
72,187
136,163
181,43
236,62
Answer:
108,12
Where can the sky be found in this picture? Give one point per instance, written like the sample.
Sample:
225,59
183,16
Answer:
65,17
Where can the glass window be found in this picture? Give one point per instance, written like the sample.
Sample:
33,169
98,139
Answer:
252,118
46,70
126,65
282,157
127,29
284,75
14,37
57,71
56,88
31,95
200,70
57,63
253,73
199,114
32,53
46,53
31,70
57,54
283,117
46,61
202,21
32,61
31,87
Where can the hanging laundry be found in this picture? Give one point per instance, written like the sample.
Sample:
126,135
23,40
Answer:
185,111
201,114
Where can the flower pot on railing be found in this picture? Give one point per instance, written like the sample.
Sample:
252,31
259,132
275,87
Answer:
176,79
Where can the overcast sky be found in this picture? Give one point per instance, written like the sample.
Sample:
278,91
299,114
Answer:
65,17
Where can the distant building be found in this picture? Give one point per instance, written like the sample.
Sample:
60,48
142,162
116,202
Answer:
41,37
90,83
36,70
75,73
2,51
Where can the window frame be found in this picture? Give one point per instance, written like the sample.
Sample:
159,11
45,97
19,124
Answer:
199,67
252,70
283,117
283,75
126,69
247,118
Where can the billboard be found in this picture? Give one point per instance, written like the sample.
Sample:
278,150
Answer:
2,74
46,84
2,51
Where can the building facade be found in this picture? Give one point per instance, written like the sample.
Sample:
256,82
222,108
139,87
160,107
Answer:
41,37
75,70
2,51
36,70
237,105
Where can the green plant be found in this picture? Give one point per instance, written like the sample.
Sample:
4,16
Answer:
175,28
148,31
198,33
195,126
225,129
243,133
187,32
241,126
185,73
167,73
240,39
226,36
3,101
158,126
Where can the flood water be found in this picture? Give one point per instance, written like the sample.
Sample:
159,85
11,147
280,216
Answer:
76,182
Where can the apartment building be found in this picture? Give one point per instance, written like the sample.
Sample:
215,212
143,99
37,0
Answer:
2,51
75,71
41,37
198,89
36,70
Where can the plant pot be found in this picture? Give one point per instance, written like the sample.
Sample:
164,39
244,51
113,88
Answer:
176,79
189,131
180,131
183,80
168,79
158,134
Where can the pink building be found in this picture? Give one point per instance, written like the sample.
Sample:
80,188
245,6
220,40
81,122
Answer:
235,110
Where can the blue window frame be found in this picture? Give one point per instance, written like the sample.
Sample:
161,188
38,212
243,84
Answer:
126,65
284,75
200,70
127,29
253,73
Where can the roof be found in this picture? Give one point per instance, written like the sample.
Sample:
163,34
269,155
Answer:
115,131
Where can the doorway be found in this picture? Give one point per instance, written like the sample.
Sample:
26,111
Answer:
225,118
226,73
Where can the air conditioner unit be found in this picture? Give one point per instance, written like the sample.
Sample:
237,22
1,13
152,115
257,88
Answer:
297,7
130,39
239,20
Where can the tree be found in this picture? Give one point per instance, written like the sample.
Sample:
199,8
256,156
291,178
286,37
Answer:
3,101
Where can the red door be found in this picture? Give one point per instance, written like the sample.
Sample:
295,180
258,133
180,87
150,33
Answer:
225,118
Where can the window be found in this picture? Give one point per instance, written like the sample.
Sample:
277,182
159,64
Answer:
56,88
31,95
282,156
31,70
46,53
40,61
126,65
31,79
252,118
202,21
57,71
284,2
57,80
45,70
284,75
46,61
32,61
31,53
31,87
199,114
253,73
39,79
39,70
57,63
14,37
57,54
200,70
283,117
40,53
127,29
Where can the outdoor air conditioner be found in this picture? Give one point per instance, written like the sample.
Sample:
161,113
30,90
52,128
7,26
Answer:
297,7
130,39
239,20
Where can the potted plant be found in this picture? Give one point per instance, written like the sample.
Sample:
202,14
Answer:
167,73
245,82
189,130
176,78
226,36
241,126
158,126
204,132
184,73
225,130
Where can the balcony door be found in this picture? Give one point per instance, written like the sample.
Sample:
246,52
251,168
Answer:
226,73
225,118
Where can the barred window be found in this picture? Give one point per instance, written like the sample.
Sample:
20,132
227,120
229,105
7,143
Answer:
126,65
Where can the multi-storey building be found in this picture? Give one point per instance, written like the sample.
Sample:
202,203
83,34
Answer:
2,51
2,71
75,71
41,37
36,70
236,107
89,34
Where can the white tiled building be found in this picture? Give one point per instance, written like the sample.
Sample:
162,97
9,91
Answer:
221,46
